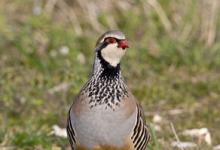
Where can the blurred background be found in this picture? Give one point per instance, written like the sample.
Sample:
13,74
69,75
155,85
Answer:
172,66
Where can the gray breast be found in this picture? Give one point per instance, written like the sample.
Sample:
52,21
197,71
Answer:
102,126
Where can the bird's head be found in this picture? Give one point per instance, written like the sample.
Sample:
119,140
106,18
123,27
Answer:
111,46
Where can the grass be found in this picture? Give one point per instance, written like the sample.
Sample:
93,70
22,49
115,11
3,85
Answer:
173,63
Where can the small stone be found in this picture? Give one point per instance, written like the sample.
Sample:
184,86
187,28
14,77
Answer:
60,132
81,58
217,147
183,144
64,50
157,118
202,134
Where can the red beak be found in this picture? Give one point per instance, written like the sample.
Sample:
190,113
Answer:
123,44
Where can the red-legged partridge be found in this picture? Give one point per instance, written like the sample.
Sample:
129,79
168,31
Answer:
105,114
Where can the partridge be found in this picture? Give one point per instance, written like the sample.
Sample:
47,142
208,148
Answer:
105,114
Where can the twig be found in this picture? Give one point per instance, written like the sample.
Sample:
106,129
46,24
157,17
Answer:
212,23
92,17
61,87
161,13
176,136
70,14
50,6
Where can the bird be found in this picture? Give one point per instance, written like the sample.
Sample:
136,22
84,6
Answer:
105,115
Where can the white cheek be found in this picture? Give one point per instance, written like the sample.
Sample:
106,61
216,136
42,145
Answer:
112,54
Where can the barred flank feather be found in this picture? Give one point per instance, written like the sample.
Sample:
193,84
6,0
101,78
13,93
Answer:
140,135
71,133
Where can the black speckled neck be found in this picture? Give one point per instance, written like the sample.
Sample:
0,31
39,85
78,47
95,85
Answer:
106,85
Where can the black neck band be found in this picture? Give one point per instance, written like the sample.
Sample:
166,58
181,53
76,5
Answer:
109,70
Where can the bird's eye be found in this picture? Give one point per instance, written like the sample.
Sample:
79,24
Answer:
110,40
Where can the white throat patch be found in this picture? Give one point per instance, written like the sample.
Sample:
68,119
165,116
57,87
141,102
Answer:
112,54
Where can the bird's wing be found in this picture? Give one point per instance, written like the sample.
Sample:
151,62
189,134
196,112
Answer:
76,108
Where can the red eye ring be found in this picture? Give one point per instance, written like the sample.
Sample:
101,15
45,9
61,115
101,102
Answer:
110,40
